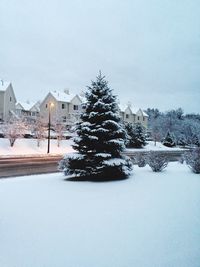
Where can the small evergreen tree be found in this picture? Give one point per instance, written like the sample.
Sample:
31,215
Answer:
100,138
136,135
169,140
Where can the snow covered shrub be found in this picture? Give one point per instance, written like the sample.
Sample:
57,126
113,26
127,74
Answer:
141,160
181,159
156,161
136,135
169,140
192,159
100,139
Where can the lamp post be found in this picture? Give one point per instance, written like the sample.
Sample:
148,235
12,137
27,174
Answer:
50,105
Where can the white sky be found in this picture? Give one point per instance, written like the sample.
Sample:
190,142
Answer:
149,50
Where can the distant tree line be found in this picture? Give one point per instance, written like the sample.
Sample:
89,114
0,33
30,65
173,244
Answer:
181,129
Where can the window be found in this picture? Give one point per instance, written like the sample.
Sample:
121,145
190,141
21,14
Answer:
63,106
75,107
143,118
138,118
46,105
127,116
10,98
64,118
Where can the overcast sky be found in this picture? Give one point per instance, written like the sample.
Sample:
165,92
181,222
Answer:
149,50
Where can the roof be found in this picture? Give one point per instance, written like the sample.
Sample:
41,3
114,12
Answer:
134,110
144,114
123,107
4,85
62,96
28,105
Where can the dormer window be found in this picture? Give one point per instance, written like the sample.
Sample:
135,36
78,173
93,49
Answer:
75,107
10,99
127,116
138,118
63,106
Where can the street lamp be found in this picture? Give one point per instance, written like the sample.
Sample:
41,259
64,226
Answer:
50,105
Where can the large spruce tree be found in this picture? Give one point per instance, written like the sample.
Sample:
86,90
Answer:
101,137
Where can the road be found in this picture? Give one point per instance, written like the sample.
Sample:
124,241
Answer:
18,166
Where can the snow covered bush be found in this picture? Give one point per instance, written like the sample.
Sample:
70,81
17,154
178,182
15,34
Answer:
169,140
100,140
192,159
156,161
141,160
136,135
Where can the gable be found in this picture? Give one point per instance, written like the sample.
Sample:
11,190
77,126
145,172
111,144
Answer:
11,93
76,100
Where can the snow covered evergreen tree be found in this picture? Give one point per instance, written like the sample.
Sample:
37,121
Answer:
169,140
136,135
100,140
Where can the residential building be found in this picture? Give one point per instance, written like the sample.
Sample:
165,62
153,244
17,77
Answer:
133,115
64,107
7,100
28,110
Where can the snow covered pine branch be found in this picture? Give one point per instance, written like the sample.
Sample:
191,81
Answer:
100,140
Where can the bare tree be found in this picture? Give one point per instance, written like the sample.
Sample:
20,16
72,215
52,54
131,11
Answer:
59,129
39,130
15,128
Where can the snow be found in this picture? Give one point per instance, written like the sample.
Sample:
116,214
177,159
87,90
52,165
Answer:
150,146
148,220
29,147
114,162
103,155
62,96
3,85
26,106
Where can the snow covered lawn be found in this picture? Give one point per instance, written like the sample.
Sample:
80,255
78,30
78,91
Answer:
150,219
29,147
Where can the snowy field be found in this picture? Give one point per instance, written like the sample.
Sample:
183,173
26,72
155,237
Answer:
148,220
29,147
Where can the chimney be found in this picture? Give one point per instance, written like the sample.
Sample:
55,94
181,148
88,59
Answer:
66,91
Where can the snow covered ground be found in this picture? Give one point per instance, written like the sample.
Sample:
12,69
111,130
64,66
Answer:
151,146
148,220
29,147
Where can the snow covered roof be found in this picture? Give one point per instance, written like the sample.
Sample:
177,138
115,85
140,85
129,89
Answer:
62,96
28,105
123,107
4,85
82,98
144,114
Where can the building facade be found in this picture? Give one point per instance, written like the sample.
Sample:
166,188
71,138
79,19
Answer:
7,100
133,115
64,107
29,111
